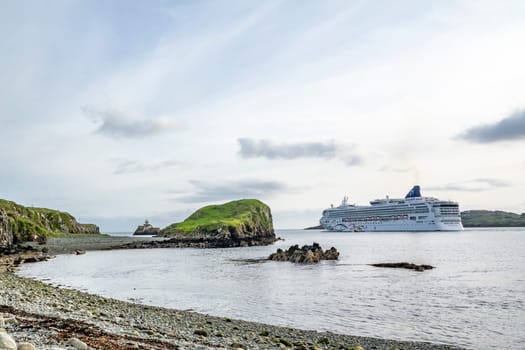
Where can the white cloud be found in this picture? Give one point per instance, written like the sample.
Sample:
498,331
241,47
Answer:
117,124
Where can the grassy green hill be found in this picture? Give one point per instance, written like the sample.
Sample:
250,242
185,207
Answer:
489,218
241,216
27,224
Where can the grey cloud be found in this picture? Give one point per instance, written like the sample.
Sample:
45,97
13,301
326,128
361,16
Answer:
476,185
117,124
250,148
212,192
507,129
132,166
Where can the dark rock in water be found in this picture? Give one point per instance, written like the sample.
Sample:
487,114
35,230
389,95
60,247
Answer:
404,265
308,254
318,227
147,229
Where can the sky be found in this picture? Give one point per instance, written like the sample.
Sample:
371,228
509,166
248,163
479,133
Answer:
117,111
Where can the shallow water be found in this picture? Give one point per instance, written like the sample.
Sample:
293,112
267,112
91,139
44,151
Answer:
475,297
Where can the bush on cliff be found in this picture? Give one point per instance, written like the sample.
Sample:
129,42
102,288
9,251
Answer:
236,219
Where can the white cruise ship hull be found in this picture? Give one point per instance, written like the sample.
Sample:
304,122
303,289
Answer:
398,226
412,213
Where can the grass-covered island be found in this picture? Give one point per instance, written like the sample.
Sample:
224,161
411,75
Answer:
492,218
243,222
21,224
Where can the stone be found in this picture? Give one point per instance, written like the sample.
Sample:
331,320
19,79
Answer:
201,332
25,346
77,344
331,254
6,341
356,347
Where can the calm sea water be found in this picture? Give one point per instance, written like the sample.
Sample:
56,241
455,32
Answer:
475,297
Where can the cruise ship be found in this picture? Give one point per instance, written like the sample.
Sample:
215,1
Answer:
412,213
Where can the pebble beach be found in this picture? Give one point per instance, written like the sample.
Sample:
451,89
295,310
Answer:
53,317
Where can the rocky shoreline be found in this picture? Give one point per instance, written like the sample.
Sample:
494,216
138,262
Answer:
49,317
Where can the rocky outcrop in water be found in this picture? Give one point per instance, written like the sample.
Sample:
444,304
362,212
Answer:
404,265
308,254
146,229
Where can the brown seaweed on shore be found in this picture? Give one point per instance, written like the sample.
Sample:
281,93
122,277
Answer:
94,336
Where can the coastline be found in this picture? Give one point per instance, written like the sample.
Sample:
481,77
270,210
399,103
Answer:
48,316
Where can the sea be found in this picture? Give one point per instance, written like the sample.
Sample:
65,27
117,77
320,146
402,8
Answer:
473,298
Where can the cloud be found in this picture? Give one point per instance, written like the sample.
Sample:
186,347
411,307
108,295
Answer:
386,168
476,185
125,166
251,148
508,129
117,124
213,192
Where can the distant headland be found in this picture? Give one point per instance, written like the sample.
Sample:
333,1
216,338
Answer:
20,224
492,218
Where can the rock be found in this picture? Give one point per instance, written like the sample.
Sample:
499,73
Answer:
404,265
331,254
6,237
25,346
147,229
201,332
357,347
305,255
77,344
6,341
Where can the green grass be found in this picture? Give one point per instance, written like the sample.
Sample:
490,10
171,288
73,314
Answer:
229,216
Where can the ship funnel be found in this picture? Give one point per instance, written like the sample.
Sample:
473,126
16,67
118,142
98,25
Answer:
414,192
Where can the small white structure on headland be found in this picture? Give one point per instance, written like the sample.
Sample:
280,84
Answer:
147,229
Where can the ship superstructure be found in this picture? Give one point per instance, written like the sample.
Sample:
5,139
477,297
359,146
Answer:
412,213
